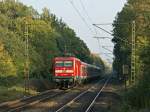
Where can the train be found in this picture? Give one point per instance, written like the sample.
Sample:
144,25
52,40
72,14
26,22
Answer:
70,71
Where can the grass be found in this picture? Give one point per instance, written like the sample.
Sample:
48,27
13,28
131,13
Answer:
14,91
6,94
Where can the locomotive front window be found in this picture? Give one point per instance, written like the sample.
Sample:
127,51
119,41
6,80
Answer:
59,64
68,63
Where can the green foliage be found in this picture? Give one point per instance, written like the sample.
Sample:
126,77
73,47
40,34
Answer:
48,37
138,96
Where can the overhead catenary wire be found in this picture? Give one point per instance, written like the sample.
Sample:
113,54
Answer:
124,40
82,18
99,43
106,54
84,9
88,17
104,24
111,33
107,49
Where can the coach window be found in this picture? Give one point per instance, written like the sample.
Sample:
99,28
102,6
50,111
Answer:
68,63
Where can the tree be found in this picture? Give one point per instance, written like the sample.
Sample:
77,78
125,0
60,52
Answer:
134,10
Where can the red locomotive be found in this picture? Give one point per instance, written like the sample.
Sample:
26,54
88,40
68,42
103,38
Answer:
68,71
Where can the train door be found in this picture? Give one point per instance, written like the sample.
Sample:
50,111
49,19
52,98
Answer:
77,69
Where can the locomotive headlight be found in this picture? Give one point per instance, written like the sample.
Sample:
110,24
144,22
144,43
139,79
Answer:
58,71
63,71
69,71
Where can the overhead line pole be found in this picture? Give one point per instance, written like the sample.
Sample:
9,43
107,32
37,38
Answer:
26,68
130,43
26,64
133,55
111,33
133,48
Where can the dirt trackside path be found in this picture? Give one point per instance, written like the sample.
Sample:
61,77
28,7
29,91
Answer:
109,100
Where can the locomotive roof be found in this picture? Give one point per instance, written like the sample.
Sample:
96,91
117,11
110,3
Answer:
65,58
89,65
72,58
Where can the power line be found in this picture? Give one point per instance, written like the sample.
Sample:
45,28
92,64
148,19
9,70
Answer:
102,37
106,53
83,7
107,49
111,33
104,24
124,40
112,23
82,18
102,29
99,43
88,17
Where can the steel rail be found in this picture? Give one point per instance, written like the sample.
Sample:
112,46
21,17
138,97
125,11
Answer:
74,99
31,101
92,103
22,99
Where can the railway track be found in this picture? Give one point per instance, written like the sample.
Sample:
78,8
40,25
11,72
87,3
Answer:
30,101
85,100
24,104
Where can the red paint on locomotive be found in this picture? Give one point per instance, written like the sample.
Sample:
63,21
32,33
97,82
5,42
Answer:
73,70
66,66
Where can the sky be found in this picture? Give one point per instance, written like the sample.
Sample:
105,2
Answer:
80,15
